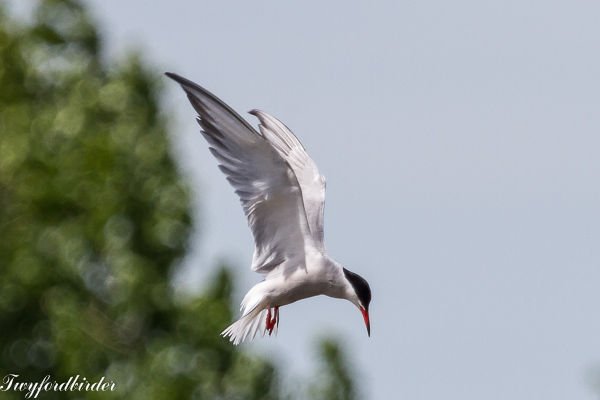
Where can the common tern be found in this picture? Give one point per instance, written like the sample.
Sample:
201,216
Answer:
283,196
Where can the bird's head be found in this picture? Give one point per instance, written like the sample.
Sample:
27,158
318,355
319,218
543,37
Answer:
360,295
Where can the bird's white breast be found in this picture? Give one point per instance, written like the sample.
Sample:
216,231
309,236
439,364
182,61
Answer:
319,276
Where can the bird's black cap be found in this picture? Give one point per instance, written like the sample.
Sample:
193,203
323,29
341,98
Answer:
361,287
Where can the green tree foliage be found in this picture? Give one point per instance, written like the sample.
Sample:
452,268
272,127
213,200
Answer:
93,218
336,381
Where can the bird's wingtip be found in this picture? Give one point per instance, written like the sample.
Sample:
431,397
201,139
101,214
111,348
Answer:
177,78
254,112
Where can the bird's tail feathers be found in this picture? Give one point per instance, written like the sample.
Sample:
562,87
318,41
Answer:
248,326
252,301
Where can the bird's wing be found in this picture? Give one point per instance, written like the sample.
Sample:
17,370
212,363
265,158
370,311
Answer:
268,188
311,181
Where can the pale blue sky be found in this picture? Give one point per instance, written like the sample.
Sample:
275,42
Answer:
461,145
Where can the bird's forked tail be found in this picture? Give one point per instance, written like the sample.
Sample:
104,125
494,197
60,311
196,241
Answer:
258,320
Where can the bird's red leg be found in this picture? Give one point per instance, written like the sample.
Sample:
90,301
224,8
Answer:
271,322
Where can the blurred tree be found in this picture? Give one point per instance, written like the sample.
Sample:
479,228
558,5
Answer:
336,378
93,217
592,378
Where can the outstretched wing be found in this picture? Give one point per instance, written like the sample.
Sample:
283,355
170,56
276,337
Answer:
265,183
311,181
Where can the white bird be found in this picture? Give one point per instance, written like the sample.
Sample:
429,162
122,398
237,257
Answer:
283,196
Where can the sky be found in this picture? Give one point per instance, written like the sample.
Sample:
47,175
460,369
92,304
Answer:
460,141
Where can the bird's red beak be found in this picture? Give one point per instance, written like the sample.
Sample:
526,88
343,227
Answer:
365,314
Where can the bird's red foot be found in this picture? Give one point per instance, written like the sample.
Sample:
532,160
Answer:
271,322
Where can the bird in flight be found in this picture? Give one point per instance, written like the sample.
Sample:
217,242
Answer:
283,196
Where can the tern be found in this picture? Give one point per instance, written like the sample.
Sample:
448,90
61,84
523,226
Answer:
283,196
